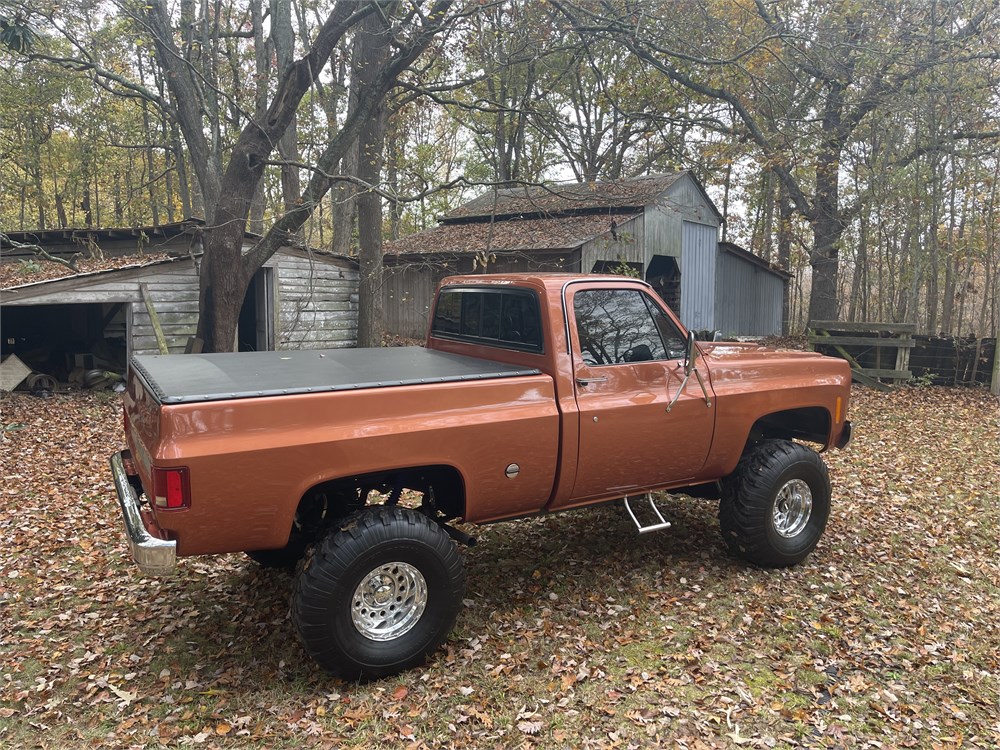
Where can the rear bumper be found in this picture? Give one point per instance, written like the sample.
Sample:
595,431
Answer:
155,557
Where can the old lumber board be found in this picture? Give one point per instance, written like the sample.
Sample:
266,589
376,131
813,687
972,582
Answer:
860,377
890,343
154,319
12,372
859,327
857,373
894,374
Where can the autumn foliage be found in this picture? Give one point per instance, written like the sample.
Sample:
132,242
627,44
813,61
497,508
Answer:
576,633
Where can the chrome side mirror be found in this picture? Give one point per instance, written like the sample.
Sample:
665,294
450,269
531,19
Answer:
690,358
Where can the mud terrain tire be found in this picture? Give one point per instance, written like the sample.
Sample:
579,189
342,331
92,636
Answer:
775,506
379,594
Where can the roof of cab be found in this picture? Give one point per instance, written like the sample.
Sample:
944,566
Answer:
549,281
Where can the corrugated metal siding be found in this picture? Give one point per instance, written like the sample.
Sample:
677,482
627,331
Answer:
748,298
317,303
699,249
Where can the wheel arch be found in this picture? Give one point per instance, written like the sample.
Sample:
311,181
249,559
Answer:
336,496
810,423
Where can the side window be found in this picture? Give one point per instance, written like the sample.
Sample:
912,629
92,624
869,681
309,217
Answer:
674,341
495,317
622,325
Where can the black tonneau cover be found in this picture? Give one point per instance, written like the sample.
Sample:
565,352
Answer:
189,378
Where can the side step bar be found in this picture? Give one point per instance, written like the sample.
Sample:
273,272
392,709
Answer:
661,524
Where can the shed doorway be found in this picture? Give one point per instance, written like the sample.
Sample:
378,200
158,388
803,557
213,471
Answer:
255,329
66,341
664,275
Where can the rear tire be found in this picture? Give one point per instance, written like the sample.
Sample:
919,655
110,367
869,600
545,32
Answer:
378,595
775,506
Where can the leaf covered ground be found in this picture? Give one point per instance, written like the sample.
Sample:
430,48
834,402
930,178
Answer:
577,632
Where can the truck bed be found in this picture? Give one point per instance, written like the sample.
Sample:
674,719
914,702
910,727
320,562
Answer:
195,378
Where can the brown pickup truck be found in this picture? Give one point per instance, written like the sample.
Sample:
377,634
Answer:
535,394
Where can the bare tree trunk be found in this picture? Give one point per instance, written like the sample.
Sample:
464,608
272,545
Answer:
262,68
342,196
827,220
148,151
933,251
859,281
948,303
371,51
284,48
36,173
785,252
370,316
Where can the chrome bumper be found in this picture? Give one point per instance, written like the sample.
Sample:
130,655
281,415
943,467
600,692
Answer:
155,557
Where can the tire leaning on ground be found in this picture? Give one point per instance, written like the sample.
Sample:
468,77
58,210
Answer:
775,506
379,594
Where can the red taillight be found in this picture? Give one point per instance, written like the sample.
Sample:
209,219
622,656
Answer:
171,488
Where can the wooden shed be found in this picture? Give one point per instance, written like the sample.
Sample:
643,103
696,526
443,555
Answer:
100,316
664,228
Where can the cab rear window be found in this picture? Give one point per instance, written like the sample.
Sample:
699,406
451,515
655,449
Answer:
508,318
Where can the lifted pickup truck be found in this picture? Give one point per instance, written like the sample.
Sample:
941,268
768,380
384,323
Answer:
534,394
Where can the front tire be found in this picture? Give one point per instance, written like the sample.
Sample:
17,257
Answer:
775,506
378,595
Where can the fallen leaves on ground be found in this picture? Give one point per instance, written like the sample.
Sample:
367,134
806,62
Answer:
577,632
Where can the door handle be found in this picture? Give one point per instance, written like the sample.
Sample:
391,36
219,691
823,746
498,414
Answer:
588,381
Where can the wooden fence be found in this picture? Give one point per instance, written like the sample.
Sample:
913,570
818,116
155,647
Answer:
888,351
953,361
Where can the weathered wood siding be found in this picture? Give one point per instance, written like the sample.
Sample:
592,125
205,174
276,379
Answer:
747,298
409,284
664,227
408,289
317,302
686,200
627,245
663,233
173,288
174,292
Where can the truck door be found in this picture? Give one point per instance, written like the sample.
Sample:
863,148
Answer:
628,364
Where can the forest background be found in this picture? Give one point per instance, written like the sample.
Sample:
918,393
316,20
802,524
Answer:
854,144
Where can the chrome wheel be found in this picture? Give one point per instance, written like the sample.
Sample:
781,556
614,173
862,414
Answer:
792,508
389,601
